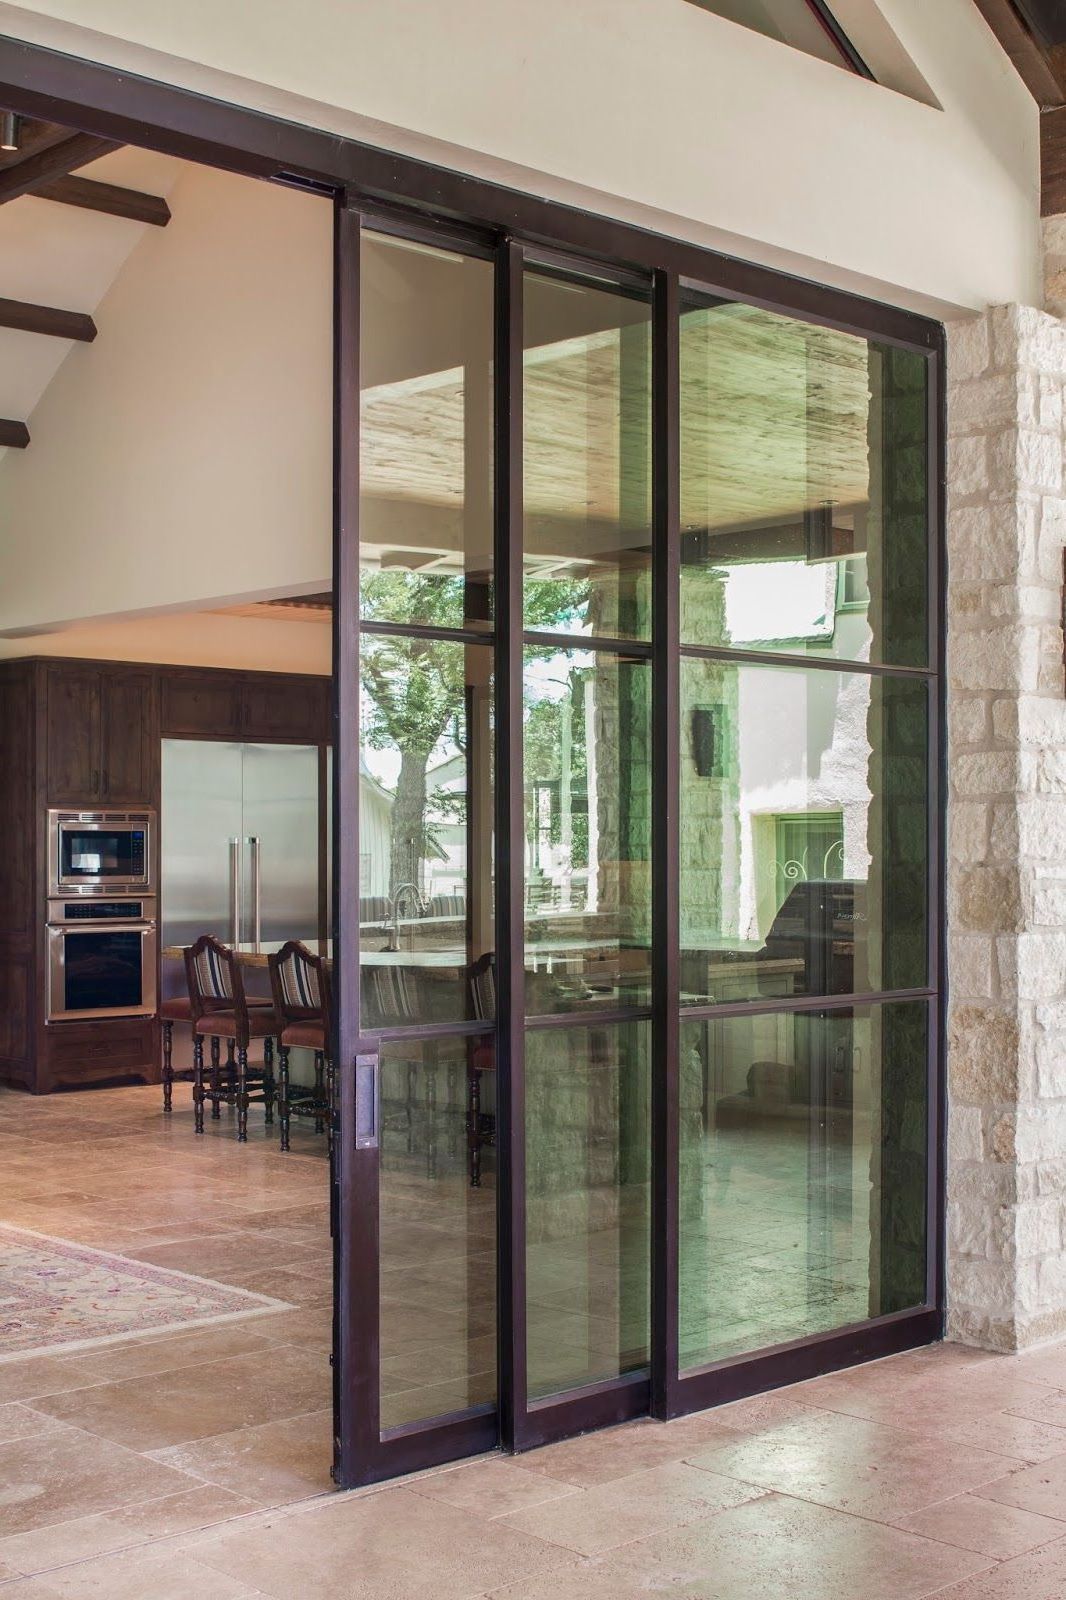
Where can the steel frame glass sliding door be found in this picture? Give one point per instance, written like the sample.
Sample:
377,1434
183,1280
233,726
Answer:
590,1096
442,208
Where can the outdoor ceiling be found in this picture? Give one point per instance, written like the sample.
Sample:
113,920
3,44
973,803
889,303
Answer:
774,423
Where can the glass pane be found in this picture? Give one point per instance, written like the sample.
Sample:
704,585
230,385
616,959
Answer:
587,1204
425,827
437,1232
791,21
803,832
425,445
587,720
803,489
587,458
803,1173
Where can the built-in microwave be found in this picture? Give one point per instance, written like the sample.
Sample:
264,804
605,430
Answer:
100,852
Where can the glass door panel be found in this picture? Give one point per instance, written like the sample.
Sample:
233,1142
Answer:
803,1174
437,1230
586,457
586,727
764,750
588,1191
804,489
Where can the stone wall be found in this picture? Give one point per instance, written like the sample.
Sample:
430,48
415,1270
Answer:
1007,830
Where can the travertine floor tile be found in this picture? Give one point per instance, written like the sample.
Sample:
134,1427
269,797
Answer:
383,1547
768,1549
152,1574
1040,1488
599,1519
983,1525
271,1464
20,1421
1040,1575
58,1476
107,1531
196,1402
854,1465
494,1488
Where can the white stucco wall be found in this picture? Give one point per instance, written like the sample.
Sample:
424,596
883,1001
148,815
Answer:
653,110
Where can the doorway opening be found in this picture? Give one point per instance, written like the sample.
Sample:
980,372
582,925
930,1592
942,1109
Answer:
165,693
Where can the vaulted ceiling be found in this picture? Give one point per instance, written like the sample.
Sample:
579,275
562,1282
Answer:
72,208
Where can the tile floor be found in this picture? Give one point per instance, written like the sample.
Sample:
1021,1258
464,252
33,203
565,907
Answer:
195,1465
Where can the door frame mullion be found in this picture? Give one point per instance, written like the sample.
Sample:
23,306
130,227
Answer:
510,837
356,1403
666,667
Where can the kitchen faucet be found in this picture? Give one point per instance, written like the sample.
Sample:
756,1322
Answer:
403,892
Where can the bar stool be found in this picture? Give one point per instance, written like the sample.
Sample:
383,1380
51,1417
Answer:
300,985
221,1010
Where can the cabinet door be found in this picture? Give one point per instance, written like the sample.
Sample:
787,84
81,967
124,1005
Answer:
73,719
285,708
129,751
203,705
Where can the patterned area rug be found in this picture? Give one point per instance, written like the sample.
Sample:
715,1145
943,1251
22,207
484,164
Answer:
57,1297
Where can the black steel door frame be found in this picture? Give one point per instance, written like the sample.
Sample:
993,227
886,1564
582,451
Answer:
112,104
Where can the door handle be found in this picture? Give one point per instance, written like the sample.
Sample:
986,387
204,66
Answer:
234,891
257,890
367,1101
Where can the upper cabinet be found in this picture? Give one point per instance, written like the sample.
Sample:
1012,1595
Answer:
203,703
102,735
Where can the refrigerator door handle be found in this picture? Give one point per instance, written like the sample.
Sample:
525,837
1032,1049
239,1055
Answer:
257,889
235,891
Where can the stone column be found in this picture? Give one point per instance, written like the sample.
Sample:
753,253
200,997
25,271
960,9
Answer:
1007,830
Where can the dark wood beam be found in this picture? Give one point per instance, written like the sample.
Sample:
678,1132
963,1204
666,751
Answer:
1032,62
91,195
45,166
1053,163
14,434
29,318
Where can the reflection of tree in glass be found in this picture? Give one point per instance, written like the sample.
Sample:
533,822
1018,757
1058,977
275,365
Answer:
415,689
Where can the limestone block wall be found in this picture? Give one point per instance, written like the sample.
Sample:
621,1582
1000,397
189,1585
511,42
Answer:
1007,829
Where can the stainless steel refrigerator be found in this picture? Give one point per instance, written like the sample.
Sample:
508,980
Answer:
239,831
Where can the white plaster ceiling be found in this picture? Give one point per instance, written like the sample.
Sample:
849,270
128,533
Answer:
67,258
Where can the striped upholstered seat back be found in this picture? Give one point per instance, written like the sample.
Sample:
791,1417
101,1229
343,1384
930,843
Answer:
213,978
212,969
300,984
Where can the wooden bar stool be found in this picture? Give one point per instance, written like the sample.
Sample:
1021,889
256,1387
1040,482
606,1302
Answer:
299,982
220,1010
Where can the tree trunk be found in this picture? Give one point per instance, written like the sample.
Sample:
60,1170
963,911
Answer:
408,820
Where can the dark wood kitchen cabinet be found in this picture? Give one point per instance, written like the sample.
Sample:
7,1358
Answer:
87,735
102,735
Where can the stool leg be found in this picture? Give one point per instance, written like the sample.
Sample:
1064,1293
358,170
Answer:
283,1095
320,1089
268,1080
168,1065
231,1074
198,1082
242,1095
216,1076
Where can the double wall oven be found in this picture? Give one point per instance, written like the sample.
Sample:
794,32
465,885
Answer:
102,930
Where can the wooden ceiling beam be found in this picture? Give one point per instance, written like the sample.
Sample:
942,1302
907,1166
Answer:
1035,66
45,166
15,435
92,195
29,318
